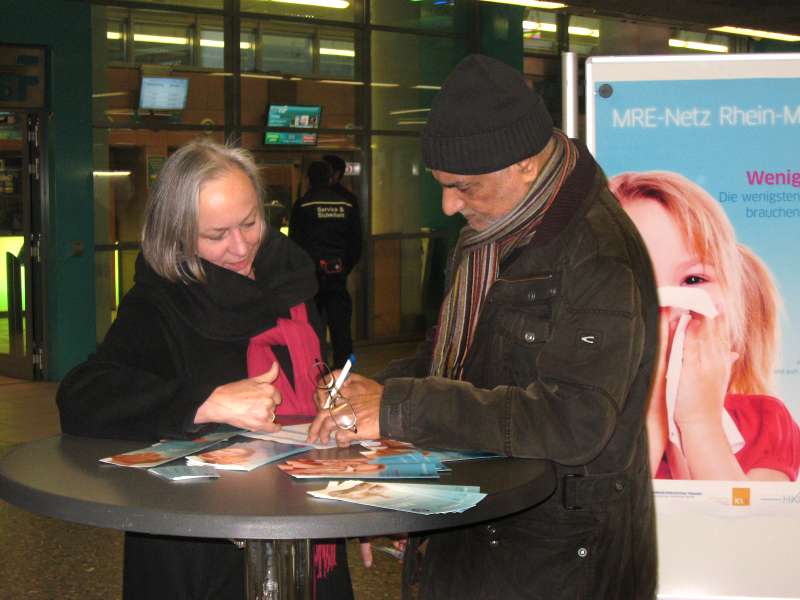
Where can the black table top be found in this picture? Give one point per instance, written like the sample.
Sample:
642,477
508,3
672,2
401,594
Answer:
61,477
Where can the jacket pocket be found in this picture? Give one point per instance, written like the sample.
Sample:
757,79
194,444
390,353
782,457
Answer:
559,547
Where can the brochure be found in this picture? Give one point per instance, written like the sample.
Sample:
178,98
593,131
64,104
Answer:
166,451
183,473
423,499
387,451
244,456
345,468
291,434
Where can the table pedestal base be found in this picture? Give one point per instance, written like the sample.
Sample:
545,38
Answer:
278,569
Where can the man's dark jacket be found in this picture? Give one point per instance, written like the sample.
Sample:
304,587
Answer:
560,369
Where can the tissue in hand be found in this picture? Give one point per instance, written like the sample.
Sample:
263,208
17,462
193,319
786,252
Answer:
688,298
698,301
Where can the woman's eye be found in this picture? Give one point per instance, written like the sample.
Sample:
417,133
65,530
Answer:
249,224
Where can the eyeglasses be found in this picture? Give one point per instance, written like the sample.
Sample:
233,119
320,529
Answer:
339,408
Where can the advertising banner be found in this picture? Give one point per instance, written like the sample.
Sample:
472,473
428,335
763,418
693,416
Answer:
702,153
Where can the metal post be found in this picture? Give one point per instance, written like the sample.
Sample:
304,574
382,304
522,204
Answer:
278,570
569,93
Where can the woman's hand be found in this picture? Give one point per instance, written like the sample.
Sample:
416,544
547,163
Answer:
247,403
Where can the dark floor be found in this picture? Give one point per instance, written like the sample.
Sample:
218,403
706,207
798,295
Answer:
47,559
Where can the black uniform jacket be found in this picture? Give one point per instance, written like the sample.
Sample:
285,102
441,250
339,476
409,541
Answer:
560,369
328,226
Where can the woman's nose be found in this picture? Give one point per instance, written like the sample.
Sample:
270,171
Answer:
238,243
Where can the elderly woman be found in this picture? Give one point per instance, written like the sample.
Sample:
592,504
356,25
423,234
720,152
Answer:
218,329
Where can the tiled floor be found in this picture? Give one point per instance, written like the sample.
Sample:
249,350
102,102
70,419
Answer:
45,559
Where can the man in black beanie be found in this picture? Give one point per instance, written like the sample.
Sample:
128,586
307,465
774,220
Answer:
545,347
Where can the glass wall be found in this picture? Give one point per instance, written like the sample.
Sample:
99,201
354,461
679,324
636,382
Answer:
371,67
372,81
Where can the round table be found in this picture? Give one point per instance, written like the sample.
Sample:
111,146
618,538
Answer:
266,509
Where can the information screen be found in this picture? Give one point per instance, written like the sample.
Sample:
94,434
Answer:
163,93
291,115
289,138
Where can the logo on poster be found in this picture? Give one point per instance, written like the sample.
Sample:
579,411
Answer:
740,496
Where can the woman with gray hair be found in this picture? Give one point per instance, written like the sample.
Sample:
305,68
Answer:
219,329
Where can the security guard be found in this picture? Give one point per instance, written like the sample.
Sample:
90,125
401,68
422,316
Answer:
327,225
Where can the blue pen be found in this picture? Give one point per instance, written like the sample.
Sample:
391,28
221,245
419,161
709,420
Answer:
351,360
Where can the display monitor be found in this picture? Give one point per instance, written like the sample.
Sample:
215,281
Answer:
163,93
292,116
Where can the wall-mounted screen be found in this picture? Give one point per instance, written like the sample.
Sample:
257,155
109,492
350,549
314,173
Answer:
292,116
163,93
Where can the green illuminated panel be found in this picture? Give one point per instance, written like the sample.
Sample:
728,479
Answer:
12,244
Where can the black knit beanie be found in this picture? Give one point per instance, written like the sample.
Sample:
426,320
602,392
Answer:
484,119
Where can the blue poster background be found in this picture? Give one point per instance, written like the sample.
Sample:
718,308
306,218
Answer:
714,132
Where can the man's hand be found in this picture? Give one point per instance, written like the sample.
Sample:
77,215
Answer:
364,396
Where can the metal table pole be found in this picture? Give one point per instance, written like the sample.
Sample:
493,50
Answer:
278,569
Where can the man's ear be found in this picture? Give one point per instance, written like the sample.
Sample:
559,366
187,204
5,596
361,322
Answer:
525,165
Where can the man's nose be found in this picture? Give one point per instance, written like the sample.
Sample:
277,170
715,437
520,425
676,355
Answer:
451,202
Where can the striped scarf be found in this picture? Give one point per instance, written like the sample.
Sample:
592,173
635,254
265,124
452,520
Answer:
479,254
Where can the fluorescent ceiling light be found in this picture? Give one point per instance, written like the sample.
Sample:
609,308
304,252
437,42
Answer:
386,85
552,28
160,39
337,52
586,31
697,46
408,111
109,94
757,33
536,26
260,76
320,3
411,122
341,82
219,44
426,87
530,3
111,173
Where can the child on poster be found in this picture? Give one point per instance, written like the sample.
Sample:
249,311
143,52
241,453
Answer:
728,361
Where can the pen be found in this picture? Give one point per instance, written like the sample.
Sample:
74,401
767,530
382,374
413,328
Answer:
340,380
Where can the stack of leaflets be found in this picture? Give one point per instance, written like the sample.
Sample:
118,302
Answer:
346,468
245,456
386,451
166,451
184,473
418,498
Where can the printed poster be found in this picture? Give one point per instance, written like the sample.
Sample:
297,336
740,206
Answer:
707,145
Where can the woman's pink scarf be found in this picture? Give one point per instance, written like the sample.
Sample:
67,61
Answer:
299,337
